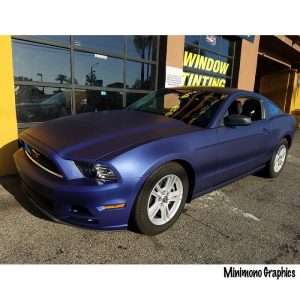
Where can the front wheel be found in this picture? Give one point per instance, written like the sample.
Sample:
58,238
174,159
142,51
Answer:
161,199
275,166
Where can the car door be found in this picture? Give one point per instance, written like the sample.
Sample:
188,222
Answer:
242,149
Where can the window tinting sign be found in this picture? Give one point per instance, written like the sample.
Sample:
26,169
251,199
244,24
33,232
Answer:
215,67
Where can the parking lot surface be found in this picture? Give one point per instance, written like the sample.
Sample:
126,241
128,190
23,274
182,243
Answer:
252,221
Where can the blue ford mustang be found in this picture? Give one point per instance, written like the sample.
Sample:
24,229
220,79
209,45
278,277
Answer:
139,166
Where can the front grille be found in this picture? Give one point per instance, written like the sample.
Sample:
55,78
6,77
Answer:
41,160
41,200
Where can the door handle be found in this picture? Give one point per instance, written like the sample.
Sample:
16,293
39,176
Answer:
265,131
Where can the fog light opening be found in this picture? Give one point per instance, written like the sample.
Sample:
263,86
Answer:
80,210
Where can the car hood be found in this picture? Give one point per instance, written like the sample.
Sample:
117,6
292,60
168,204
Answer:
90,136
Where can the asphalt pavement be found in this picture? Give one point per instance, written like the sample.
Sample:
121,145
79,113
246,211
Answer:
252,221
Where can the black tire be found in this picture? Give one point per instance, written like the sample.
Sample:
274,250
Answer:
270,171
139,220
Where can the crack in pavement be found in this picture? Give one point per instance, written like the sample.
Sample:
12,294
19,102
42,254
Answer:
208,226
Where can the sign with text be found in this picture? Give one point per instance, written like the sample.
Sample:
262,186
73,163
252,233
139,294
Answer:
173,77
215,67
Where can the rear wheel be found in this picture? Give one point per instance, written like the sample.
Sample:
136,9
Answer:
275,166
161,199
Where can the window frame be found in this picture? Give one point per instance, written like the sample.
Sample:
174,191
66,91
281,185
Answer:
262,107
233,57
72,86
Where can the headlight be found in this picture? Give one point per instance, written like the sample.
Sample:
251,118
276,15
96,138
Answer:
96,171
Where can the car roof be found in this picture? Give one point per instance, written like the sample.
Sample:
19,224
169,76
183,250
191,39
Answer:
218,90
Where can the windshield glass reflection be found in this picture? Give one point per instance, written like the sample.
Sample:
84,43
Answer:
195,108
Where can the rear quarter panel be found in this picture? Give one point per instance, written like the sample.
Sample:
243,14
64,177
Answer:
279,127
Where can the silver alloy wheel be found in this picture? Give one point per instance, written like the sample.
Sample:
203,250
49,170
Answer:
165,199
279,158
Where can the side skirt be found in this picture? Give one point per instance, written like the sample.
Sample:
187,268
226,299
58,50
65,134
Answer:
216,187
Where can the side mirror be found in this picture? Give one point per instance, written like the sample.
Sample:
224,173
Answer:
237,120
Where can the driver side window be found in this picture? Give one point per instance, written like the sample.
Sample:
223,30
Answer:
249,107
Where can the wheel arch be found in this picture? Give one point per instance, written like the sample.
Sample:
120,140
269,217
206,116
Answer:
289,139
187,166
191,176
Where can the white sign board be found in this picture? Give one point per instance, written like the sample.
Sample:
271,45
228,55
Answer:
173,77
101,56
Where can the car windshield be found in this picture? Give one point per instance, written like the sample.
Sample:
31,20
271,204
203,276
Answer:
55,99
194,107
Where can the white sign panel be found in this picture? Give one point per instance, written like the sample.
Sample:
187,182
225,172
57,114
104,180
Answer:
173,77
101,56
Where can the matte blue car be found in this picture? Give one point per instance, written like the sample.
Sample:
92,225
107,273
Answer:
139,166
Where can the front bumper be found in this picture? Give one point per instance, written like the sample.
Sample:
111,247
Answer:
80,201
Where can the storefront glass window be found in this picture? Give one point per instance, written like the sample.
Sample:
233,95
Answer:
54,38
210,42
108,43
227,47
39,104
140,76
194,39
142,46
88,100
228,62
34,62
98,70
209,64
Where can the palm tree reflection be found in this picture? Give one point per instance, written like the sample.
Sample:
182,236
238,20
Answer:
143,44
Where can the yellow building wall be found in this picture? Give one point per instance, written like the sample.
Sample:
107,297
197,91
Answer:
295,103
8,121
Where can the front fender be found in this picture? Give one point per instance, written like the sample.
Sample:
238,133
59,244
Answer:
143,160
